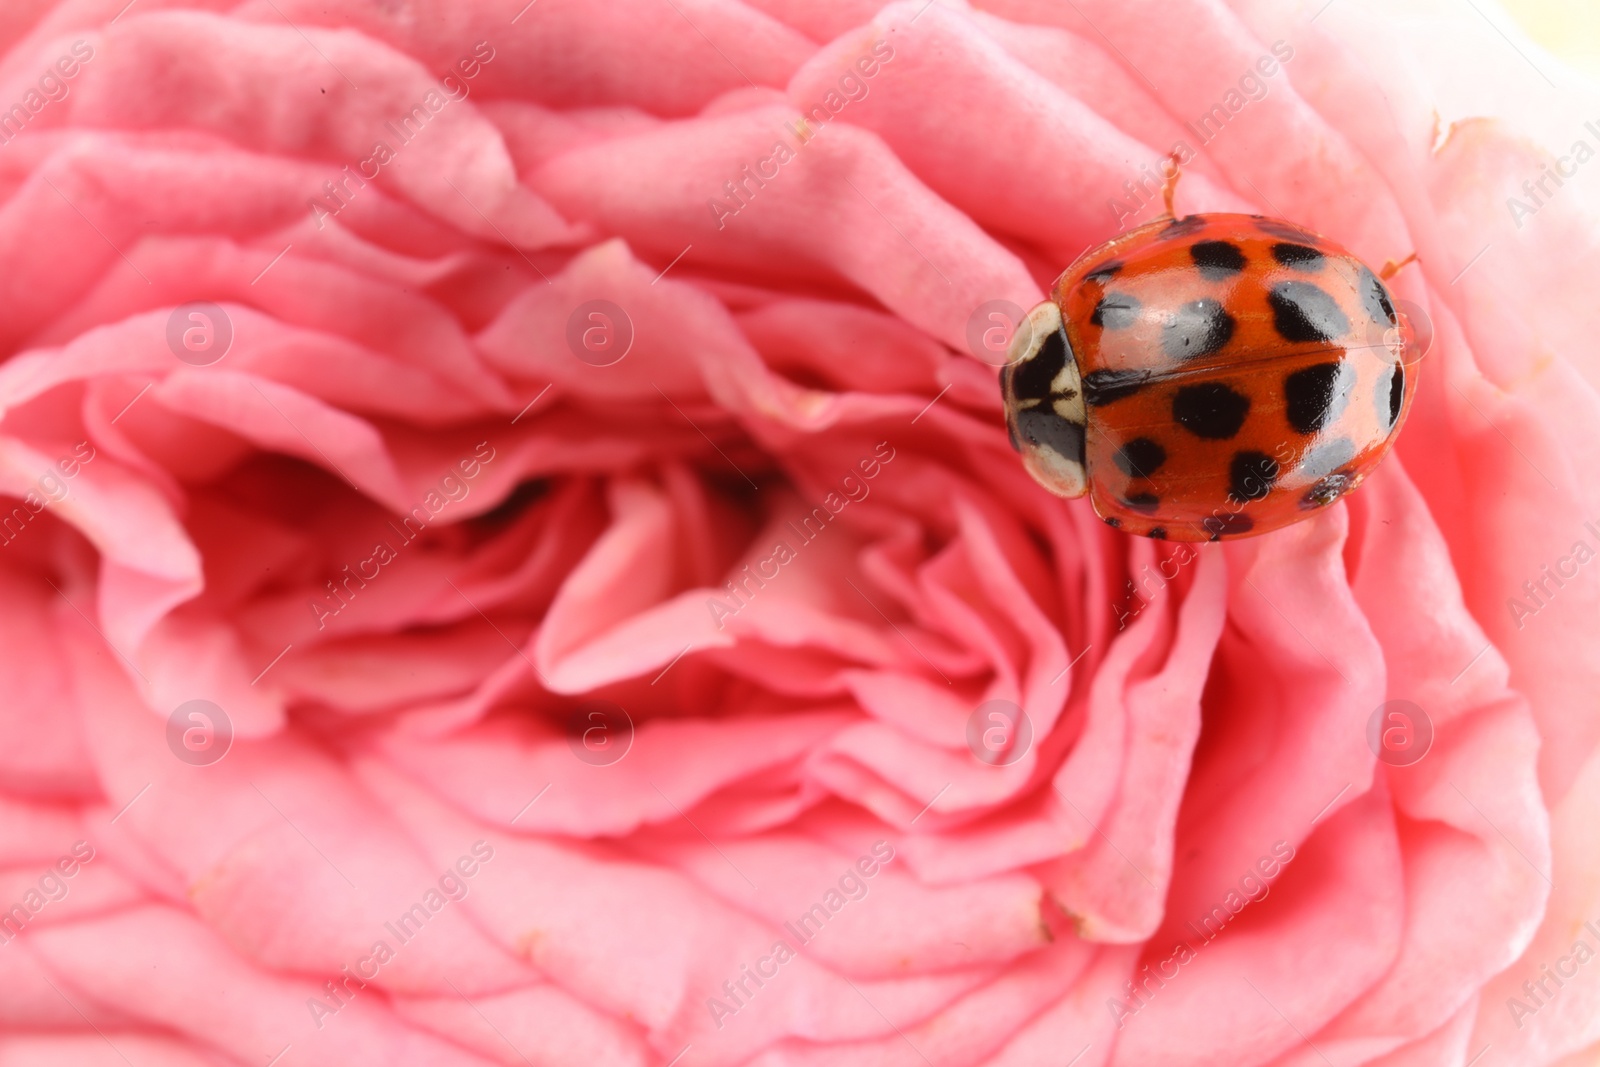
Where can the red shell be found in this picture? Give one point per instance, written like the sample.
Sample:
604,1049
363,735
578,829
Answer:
1241,373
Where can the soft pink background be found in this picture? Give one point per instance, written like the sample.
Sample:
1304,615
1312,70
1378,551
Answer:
375,349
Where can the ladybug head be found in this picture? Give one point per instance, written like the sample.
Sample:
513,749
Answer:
1043,398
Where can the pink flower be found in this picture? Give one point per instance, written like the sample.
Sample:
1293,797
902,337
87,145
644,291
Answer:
512,554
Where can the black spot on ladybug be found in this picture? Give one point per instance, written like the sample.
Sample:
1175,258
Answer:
1157,533
1030,379
1288,231
1325,491
1220,526
1115,311
1251,476
1217,260
1397,394
1327,457
1101,387
1112,520
1146,502
1183,227
1140,458
1042,426
1299,257
1302,312
1210,410
1375,299
1318,394
1196,329
1104,272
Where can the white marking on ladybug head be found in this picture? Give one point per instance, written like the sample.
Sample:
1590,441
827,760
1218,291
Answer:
1043,396
1066,394
1062,476
1035,327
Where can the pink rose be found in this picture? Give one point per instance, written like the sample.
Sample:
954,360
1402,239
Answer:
512,556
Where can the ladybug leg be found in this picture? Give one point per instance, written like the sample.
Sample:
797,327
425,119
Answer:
1391,268
1169,188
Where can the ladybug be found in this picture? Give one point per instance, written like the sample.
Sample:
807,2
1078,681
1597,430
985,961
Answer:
1209,377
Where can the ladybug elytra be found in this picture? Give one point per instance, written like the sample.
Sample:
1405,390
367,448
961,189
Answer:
1209,377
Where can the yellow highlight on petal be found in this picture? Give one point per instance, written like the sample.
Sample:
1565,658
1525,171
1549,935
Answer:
1569,29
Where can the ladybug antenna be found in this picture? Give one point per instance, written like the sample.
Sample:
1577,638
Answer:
1173,171
1391,268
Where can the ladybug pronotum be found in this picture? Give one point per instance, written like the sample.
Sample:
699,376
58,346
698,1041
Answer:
1209,377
